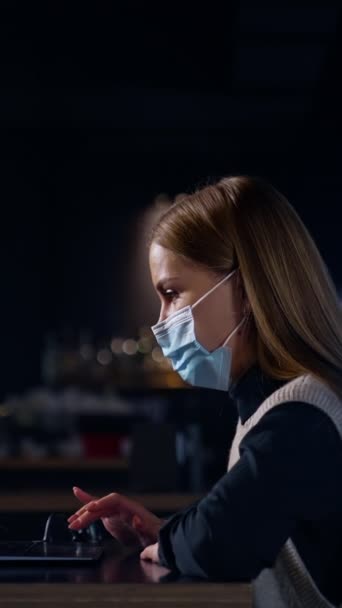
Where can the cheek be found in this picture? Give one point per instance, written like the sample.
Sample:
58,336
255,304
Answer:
214,321
168,307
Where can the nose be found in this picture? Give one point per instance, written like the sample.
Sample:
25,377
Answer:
163,313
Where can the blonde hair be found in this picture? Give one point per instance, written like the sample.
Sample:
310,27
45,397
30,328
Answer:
245,222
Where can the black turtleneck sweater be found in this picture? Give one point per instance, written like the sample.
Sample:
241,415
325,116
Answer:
287,483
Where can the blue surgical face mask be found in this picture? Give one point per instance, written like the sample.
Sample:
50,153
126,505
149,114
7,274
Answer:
195,364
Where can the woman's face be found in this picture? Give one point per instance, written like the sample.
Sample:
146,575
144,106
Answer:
180,282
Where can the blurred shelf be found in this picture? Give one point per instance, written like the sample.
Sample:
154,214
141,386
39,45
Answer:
63,463
66,501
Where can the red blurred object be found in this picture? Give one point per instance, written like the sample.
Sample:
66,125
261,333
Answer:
101,445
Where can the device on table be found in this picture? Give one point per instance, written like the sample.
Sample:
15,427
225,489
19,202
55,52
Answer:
59,544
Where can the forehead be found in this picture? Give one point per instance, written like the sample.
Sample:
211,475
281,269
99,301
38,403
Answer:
164,263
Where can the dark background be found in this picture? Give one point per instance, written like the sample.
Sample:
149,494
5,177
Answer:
105,105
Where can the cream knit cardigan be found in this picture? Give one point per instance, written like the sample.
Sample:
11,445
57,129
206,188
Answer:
288,584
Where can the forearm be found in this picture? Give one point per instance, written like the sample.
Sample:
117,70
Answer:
222,537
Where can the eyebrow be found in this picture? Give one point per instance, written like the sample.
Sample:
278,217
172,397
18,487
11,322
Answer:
161,282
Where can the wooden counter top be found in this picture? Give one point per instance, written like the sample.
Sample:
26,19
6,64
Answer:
120,578
126,595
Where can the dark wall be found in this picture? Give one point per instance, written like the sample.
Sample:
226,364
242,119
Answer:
103,108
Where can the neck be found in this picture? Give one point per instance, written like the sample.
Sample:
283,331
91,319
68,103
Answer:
244,356
238,373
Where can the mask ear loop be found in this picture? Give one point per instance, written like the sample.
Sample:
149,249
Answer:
235,330
215,287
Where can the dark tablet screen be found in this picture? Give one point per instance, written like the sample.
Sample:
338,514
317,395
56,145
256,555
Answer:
37,551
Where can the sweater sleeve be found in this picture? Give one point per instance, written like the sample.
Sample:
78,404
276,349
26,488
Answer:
289,469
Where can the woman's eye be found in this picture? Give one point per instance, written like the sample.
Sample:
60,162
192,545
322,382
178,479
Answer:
170,294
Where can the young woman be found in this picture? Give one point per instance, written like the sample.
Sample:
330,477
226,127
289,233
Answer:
248,306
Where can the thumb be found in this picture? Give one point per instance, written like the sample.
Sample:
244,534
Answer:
82,495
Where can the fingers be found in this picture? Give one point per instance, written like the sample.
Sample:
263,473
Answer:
83,521
82,495
110,503
95,509
121,531
118,511
90,506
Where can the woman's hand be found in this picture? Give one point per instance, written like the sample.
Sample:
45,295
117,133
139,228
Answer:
151,553
125,519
